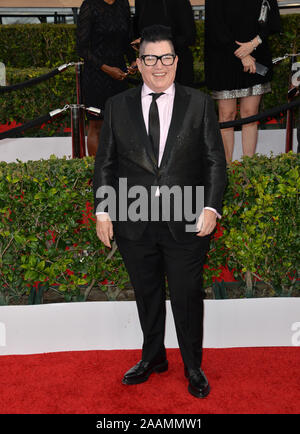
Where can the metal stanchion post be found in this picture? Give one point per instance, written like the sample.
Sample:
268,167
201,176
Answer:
298,137
77,112
2,74
78,70
290,113
82,130
79,97
75,15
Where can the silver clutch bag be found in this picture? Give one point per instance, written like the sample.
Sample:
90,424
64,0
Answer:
263,16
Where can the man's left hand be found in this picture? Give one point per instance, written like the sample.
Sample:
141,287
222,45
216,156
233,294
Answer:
206,223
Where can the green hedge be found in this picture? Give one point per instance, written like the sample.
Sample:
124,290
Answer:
31,50
37,45
32,102
48,239
261,223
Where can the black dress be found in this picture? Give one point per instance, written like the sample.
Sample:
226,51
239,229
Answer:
178,15
227,21
103,37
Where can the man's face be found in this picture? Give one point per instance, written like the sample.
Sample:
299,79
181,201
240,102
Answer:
158,77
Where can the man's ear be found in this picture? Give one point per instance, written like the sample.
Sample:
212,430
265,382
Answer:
176,60
139,63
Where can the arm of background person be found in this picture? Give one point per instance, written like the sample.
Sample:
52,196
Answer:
273,24
185,24
83,36
216,31
136,19
129,51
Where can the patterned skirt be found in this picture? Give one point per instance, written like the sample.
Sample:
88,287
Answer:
258,89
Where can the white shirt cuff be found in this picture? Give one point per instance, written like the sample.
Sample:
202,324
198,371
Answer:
214,210
206,207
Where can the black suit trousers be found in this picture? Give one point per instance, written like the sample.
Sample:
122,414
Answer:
151,259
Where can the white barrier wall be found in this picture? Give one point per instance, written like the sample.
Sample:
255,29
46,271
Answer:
114,325
42,147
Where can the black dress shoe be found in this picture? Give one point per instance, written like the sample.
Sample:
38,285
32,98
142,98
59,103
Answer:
198,384
142,371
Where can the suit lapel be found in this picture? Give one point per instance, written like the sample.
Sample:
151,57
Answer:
181,102
136,112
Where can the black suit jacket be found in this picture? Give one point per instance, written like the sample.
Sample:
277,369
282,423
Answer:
193,155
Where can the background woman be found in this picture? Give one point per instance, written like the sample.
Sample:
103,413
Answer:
234,42
178,15
103,39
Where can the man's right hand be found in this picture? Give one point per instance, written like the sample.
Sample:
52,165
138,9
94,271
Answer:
104,228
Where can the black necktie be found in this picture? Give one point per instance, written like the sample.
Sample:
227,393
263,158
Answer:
154,127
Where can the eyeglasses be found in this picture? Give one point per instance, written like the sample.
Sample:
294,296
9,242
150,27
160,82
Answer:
151,59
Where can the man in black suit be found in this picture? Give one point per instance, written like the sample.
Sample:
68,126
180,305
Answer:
162,136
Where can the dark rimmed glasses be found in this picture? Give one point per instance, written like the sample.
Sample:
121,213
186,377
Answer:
151,59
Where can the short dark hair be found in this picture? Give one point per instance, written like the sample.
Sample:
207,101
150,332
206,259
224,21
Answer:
155,33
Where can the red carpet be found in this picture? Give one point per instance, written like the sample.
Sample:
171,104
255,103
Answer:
243,380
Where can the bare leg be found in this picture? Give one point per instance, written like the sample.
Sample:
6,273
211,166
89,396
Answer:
227,112
249,106
93,136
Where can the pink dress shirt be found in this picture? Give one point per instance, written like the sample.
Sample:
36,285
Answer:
165,108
